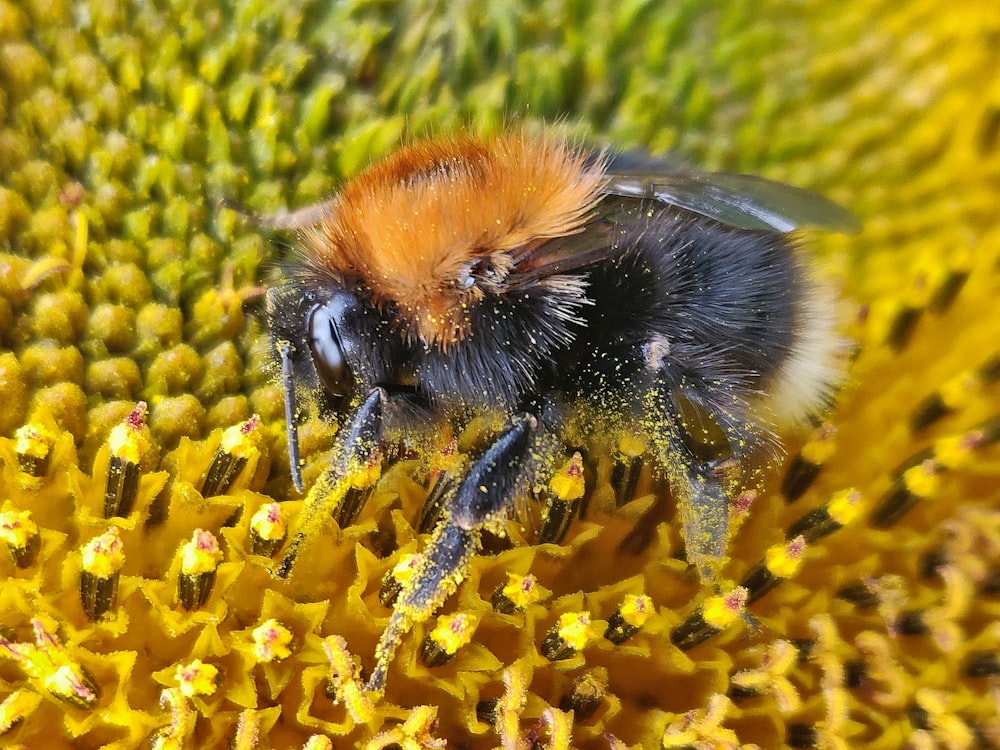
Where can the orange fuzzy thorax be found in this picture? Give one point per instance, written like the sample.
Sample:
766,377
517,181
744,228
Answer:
409,227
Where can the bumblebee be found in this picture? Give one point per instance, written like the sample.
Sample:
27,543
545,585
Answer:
567,296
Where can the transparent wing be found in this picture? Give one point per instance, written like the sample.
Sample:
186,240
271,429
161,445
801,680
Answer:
740,200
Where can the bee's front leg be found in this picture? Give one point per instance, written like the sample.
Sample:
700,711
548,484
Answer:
484,495
360,454
487,490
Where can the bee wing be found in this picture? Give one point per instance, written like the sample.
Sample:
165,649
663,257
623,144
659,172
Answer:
739,200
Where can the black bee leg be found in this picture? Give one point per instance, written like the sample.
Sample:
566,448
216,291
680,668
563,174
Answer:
483,496
356,468
487,491
439,569
702,432
703,480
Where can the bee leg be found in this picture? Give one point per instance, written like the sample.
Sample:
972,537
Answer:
703,505
439,570
360,444
488,489
703,487
484,495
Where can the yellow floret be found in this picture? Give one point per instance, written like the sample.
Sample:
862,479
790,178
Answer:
722,611
636,610
17,528
104,555
271,641
784,560
269,522
575,629
196,678
454,631
201,554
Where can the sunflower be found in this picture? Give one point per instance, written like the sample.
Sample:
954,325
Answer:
143,482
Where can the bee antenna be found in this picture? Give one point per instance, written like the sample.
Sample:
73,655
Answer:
301,218
288,386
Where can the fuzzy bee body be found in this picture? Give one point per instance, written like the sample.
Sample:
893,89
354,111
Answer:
544,285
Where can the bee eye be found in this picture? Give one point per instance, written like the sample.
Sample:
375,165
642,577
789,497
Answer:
328,351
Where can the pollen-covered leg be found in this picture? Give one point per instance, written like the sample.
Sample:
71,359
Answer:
484,496
703,506
703,487
439,570
357,467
